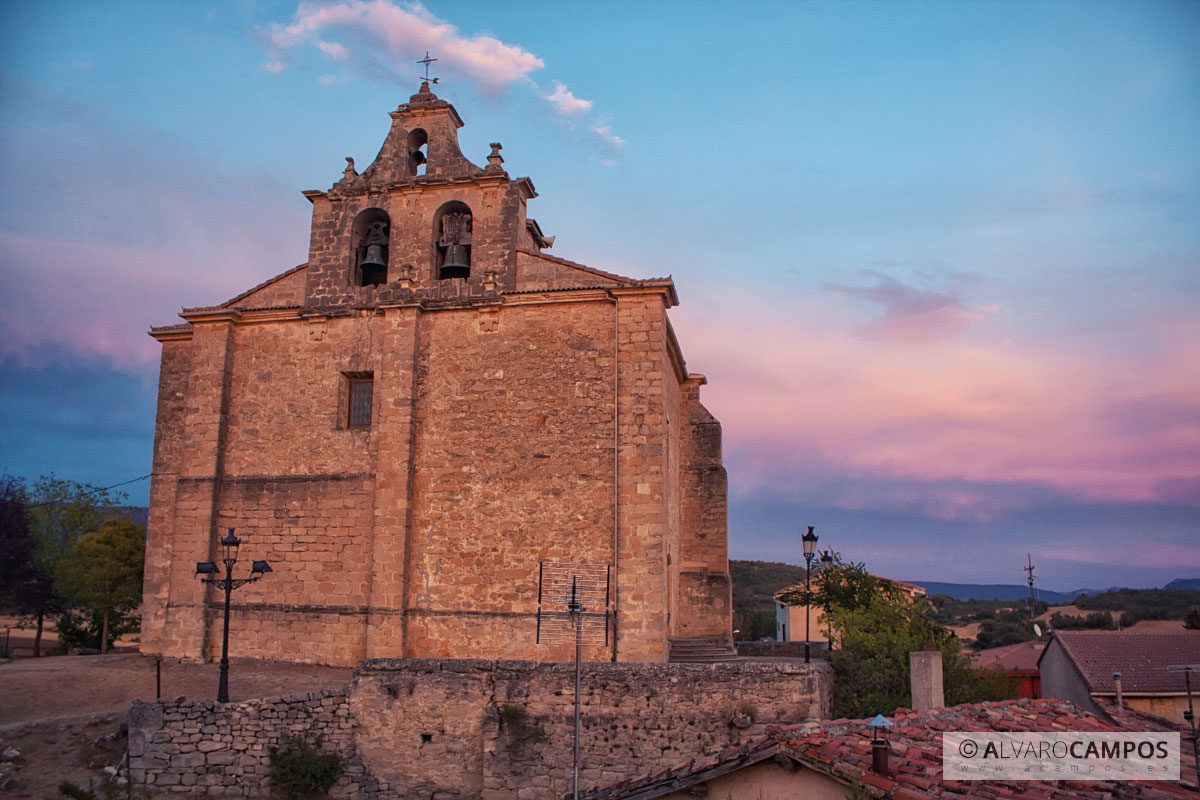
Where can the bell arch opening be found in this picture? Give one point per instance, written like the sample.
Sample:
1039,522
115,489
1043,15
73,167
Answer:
370,235
452,241
418,151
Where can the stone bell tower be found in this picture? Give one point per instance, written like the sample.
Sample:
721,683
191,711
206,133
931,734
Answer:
416,421
421,218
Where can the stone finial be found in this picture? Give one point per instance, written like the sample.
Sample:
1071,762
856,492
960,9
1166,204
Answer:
350,172
423,95
495,159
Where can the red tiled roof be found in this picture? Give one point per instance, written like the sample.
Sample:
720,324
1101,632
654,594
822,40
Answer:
1141,658
1020,656
841,749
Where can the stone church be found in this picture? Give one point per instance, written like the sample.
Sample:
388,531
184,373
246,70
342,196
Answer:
421,423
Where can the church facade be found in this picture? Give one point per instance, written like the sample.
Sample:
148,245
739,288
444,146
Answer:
424,420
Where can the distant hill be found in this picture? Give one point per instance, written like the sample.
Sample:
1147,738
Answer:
755,583
1184,583
993,591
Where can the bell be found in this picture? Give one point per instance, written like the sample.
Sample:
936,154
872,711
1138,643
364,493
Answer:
457,262
374,269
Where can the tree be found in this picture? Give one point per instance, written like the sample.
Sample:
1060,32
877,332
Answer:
840,584
17,566
104,571
60,512
871,661
1192,622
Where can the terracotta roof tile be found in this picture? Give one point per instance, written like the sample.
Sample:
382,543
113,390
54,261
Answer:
841,749
1141,658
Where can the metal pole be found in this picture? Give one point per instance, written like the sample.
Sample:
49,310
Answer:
807,603
1191,715
578,662
158,678
223,684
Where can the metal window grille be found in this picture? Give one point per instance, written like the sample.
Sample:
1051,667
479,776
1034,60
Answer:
360,403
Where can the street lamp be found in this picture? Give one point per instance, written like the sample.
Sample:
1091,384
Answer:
207,572
810,547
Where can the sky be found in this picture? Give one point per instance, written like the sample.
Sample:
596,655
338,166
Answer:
939,261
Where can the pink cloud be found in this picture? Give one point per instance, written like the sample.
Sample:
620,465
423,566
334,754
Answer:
795,384
396,34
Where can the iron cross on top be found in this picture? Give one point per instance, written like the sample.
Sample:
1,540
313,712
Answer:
427,61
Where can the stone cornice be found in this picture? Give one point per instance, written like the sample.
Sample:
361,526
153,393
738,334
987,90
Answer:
172,333
199,316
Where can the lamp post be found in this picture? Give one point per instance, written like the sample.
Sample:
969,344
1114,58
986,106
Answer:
206,571
810,546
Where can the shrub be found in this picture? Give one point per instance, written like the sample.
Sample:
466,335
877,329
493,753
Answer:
301,769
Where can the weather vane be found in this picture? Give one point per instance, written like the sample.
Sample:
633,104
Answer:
427,61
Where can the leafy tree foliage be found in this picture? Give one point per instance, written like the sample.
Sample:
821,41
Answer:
103,573
1095,621
1192,623
871,660
1140,604
59,512
840,584
17,569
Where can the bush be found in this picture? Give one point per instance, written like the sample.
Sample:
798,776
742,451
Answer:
301,769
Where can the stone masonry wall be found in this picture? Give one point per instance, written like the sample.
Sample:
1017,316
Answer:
447,729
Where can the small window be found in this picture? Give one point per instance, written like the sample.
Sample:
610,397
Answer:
361,391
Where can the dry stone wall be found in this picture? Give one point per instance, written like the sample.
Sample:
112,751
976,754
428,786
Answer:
445,729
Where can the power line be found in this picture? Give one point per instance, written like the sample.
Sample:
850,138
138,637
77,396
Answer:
92,492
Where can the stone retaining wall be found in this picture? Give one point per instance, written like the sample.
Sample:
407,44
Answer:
443,729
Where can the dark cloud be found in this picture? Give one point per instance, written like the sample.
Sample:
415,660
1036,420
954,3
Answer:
79,421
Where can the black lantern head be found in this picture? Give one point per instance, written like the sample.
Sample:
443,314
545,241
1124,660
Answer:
260,568
826,558
810,542
229,548
206,568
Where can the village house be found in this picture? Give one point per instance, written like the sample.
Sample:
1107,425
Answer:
1016,660
424,421
1099,669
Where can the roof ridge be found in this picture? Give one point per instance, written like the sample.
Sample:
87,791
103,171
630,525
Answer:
263,285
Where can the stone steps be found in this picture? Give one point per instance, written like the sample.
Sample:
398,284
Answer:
701,649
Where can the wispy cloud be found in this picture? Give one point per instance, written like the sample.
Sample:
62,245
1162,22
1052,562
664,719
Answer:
610,144
912,314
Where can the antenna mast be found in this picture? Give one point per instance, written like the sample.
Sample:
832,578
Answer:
1028,568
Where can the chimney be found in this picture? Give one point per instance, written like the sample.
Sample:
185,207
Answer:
925,670
1117,684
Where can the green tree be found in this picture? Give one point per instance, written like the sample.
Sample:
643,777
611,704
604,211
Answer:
104,572
60,512
840,584
871,661
1192,622
17,569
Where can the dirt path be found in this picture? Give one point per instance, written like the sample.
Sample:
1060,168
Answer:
64,714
